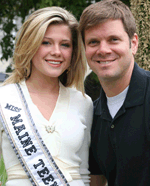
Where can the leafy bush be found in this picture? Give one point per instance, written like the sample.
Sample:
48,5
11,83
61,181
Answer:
3,175
141,12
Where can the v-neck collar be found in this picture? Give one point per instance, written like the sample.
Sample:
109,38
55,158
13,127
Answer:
60,109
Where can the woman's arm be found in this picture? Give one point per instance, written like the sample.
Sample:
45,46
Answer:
84,150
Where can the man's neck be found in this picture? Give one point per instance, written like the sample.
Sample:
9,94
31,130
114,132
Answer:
114,86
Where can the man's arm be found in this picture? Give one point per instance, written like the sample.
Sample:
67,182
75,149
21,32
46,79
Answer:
98,180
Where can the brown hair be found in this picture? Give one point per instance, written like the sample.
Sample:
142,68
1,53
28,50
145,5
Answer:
107,9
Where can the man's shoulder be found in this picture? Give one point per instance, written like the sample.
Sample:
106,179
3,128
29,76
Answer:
97,105
147,76
143,71
95,102
147,73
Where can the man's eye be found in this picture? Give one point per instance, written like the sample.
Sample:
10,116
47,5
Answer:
114,39
93,42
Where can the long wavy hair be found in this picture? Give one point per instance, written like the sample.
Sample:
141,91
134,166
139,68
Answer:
29,39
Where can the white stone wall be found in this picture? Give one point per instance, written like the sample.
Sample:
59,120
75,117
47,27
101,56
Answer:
4,64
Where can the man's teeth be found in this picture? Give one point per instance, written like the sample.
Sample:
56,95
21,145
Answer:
104,62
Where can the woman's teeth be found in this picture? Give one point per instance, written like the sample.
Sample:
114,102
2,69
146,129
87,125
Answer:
54,62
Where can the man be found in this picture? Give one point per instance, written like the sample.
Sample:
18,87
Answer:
120,145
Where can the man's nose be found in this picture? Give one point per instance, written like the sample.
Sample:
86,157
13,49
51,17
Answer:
103,48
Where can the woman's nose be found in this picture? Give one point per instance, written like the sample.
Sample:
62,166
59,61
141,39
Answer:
55,50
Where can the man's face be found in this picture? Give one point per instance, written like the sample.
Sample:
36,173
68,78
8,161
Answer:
109,52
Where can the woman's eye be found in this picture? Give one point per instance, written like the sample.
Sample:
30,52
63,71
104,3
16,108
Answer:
45,43
66,45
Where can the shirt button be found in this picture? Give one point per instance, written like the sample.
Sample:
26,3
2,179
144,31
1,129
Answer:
112,126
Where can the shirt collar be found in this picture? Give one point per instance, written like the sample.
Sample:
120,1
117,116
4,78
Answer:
135,95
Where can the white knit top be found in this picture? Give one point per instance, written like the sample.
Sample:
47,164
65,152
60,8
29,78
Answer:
68,144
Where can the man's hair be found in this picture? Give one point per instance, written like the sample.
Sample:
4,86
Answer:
107,9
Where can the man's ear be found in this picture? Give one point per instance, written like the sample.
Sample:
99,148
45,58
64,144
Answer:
134,44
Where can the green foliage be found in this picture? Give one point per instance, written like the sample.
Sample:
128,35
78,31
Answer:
141,12
9,69
9,10
92,86
3,175
74,6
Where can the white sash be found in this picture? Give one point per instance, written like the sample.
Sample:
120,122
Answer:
26,140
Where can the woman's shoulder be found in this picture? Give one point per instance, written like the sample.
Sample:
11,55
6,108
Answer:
5,89
78,96
6,86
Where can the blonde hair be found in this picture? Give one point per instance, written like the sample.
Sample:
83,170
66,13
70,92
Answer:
29,39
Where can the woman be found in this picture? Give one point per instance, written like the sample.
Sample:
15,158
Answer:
45,124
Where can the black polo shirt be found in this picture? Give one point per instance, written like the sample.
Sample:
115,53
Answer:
120,147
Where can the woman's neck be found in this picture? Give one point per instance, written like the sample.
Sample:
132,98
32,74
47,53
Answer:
39,85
